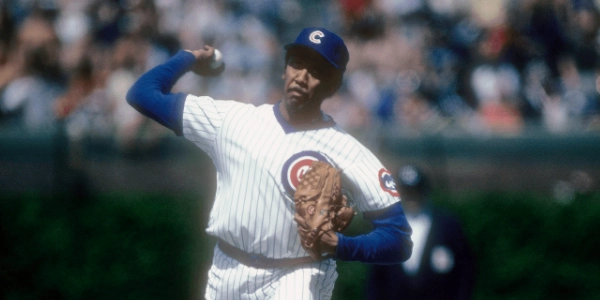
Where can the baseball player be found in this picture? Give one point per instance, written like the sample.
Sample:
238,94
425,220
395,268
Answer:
260,154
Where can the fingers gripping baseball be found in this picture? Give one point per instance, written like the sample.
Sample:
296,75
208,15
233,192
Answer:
321,209
209,62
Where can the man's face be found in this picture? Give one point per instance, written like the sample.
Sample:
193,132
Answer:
308,80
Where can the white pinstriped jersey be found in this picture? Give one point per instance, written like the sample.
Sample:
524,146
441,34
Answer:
228,279
258,164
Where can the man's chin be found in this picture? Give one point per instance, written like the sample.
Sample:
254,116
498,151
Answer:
295,103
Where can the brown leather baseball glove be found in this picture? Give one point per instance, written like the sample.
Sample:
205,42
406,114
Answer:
320,206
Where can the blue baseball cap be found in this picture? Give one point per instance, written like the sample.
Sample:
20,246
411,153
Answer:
327,43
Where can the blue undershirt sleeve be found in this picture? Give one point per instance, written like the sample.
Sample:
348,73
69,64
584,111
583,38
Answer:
388,243
151,93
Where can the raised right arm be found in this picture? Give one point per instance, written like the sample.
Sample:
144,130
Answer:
151,93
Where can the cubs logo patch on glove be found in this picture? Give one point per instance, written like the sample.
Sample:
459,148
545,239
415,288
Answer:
320,206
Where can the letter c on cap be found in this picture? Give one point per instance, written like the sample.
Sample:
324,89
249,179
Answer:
316,36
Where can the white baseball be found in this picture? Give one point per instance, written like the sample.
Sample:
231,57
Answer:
216,60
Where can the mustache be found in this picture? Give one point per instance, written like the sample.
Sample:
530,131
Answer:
297,89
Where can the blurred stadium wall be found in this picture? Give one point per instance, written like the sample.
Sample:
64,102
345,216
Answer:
542,163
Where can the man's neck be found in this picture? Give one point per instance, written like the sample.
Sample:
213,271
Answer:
304,119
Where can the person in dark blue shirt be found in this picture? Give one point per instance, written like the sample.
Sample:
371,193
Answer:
442,265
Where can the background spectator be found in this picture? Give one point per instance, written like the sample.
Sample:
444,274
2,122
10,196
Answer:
492,67
442,265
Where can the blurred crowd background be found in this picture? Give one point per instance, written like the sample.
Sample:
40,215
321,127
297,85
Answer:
417,66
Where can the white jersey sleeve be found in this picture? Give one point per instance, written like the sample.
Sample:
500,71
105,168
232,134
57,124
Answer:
368,184
203,118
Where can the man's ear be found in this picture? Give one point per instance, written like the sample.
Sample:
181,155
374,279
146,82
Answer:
334,87
331,91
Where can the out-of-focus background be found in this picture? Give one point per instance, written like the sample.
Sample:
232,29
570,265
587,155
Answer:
498,100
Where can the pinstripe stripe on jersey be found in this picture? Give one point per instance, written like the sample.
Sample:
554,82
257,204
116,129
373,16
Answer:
204,118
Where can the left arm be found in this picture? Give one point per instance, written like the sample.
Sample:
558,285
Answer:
388,243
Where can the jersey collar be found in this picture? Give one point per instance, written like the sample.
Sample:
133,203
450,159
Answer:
288,128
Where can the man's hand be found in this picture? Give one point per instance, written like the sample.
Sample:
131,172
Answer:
326,244
204,58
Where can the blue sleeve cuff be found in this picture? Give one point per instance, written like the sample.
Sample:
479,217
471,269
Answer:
388,243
